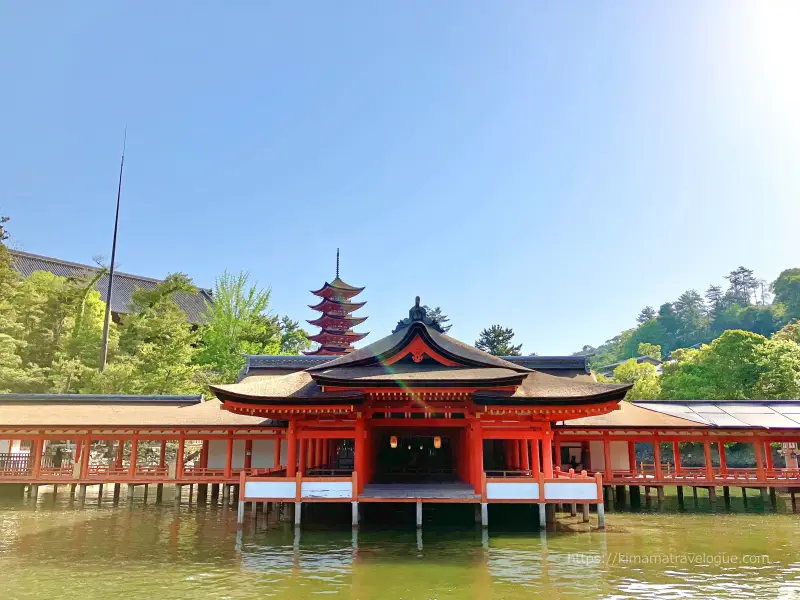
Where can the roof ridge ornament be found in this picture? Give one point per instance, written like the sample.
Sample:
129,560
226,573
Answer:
417,314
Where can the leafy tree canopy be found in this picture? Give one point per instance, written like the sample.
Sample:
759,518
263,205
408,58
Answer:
437,316
497,340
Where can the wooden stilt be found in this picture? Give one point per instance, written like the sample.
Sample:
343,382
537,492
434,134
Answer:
542,516
419,514
298,513
680,496
484,515
585,509
726,496
601,516
159,493
117,488
355,513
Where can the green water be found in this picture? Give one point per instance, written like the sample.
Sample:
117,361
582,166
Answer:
58,550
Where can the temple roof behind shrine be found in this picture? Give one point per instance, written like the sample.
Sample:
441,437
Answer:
418,355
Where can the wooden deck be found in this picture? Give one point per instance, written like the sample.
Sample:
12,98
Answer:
413,492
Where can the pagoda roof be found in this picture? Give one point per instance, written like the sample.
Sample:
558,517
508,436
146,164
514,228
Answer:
328,305
346,321
327,334
337,287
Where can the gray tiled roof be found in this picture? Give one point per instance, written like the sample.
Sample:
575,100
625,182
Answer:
193,305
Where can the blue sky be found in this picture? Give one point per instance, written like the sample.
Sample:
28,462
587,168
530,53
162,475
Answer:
552,167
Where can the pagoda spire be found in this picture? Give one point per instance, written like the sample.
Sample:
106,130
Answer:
336,336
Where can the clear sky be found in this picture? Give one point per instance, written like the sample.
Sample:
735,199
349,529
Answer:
552,167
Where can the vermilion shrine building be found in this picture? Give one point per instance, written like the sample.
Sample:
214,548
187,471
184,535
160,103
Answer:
416,416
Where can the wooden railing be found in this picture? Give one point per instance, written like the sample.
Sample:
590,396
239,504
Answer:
588,488
510,473
699,475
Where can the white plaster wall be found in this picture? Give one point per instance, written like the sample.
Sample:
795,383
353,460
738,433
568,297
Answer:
570,490
619,455
268,490
512,491
326,489
263,454
5,446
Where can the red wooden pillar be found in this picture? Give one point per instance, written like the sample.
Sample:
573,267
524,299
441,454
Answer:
180,457
291,451
723,460
515,462
87,446
477,456
525,455
557,452
301,467
607,459
535,464
758,447
134,456
768,454
162,455
204,454
709,465
248,454
318,457
277,453
36,454
547,454
359,456
120,454
676,456
632,457
657,459
229,456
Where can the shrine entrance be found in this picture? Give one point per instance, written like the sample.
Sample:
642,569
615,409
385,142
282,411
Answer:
403,456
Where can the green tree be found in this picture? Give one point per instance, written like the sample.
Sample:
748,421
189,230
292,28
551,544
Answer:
651,332
157,346
294,339
646,314
643,376
787,291
438,317
497,340
737,365
790,331
651,350
238,322
690,313
743,286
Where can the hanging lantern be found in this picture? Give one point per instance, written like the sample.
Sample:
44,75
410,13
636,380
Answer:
393,441
409,446
437,442
420,447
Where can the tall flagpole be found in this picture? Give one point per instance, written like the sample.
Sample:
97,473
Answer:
107,320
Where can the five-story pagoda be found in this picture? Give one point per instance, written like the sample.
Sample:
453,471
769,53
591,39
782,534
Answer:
336,336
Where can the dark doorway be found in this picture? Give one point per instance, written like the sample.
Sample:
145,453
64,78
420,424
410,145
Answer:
414,459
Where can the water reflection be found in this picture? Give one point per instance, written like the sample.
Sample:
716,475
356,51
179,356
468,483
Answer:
57,550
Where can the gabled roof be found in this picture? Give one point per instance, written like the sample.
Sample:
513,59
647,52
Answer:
448,347
194,305
338,286
329,304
